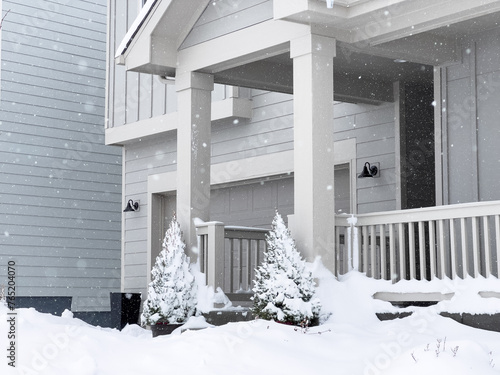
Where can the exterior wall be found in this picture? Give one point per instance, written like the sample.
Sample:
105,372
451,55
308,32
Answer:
472,118
268,132
60,186
225,16
131,96
373,128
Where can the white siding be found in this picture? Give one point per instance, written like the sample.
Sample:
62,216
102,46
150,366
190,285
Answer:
60,186
141,160
270,130
132,96
226,16
472,121
373,128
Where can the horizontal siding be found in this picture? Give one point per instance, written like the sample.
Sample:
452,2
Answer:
226,16
373,128
142,159
471,117
60,185
270,130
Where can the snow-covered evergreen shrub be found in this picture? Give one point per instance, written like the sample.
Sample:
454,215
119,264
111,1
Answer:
284,289
172,291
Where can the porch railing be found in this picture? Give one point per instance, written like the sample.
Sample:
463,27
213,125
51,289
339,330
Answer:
229,255
446,241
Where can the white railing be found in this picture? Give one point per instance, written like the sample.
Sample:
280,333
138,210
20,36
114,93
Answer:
229,255
446,241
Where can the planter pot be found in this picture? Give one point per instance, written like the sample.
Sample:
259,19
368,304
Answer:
163,329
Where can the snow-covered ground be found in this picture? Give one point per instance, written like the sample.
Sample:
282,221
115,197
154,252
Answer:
352,341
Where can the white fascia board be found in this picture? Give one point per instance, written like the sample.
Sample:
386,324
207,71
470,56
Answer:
413,17
241,47
138,23
285,8
151,127
275,164
142,129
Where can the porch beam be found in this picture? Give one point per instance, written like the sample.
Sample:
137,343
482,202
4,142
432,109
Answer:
193,152
313,146
267,39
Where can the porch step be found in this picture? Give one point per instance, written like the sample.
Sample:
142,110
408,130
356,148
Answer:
489,322
413,299
221,317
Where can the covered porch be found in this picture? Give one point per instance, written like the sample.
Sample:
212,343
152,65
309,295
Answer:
323,61
455,241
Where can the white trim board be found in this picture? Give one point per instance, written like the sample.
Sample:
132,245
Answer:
279,163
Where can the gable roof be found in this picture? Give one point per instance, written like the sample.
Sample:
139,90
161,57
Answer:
136,25
156,34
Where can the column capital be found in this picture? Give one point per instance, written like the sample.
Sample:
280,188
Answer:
313,44
194,80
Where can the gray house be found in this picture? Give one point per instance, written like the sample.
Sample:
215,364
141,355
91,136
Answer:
227,110
60,186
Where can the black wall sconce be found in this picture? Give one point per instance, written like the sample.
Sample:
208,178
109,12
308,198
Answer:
369,171
131,206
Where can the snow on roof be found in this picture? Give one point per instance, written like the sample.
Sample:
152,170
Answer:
134,29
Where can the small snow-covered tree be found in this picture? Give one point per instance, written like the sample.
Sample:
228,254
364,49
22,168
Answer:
283,288
172,292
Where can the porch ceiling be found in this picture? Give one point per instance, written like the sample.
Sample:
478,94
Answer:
371,37
359,77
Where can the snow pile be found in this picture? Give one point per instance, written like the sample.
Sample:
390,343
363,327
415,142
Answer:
351,342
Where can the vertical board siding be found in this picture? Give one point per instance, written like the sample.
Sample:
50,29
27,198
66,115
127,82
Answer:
472,117
60,186
131,96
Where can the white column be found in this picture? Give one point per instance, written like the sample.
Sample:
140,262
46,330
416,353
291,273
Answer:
314,198
193,152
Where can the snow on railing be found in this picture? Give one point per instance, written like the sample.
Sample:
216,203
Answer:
446,241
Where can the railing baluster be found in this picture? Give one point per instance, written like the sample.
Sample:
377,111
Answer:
465,246
337,249
487,251
231,266
421,248
365,250
453,250
475,246
383,253
373,251
497,240
401,249
392,253
441,250
411,243
249,266
240,271
432,249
